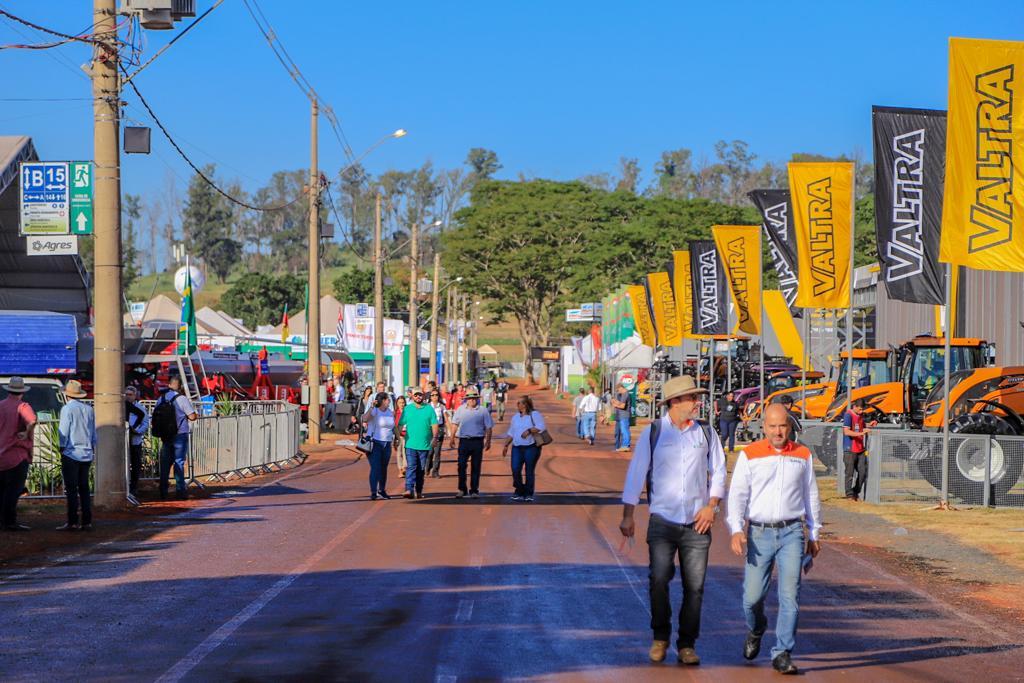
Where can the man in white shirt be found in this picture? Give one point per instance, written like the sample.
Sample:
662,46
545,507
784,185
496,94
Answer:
685,478
774,494
577,415
588,414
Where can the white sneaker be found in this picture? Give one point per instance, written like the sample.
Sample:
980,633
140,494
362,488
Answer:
528,499
474,495
516,497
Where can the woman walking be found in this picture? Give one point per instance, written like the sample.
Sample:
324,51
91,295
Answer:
364,404
380,425
525,452
434,463
399,441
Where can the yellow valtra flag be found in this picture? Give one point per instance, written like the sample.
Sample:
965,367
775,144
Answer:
822,195
642,314
982,214
663,303
739,248
682,285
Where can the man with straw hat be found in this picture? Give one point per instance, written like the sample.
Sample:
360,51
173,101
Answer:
77,451
17,423
472,426
682,463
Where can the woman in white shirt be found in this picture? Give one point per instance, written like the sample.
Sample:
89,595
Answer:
380,425
525,451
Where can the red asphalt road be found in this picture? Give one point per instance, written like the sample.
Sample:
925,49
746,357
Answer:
305,578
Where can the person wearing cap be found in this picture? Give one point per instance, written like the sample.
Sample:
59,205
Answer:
472,429
772,498
682,463
419,428
77,451
17,424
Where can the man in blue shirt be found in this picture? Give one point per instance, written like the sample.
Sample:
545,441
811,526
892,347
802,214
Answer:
77,450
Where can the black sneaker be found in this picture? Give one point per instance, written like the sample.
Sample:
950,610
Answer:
385,495
752,646
68,527
784,665
17,527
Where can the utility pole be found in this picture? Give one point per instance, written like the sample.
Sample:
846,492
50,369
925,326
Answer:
414,340
464,351
378,302
109,324
313,311
434,315
453,336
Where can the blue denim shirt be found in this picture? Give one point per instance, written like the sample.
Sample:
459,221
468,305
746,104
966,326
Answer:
78,431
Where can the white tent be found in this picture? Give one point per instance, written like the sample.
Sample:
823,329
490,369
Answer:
632,354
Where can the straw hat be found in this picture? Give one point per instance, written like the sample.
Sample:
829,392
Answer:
74,389
680,386
16,385
472,392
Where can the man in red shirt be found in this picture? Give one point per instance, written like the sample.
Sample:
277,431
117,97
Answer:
855,456
17,423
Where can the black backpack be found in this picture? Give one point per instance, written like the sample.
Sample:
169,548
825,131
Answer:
164,424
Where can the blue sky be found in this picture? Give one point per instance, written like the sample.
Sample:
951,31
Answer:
557,89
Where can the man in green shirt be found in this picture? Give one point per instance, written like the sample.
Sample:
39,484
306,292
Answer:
419,426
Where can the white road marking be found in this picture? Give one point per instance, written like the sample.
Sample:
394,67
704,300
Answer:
465,611
476,561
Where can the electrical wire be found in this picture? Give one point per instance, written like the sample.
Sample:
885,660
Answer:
344,233
173,40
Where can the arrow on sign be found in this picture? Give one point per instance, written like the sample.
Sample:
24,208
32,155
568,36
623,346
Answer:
81,220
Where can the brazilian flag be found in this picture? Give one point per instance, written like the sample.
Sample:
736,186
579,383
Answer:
187,326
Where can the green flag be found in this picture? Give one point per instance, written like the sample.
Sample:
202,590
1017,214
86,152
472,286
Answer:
187,326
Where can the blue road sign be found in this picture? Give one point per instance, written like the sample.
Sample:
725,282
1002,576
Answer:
44,198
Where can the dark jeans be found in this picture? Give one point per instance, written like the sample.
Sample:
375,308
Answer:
471,452
415,468
173,452
855,463
665,541
76,487
434,461
727,428
12,482
135,467
524,456
379,457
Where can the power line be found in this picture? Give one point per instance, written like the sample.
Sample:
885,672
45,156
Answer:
337,217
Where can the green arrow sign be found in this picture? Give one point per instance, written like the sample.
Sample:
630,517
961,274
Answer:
81,197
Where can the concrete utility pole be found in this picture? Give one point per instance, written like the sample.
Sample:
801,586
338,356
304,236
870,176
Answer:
464,348
378,302
452,336
313,312
109,324
414,340
435,313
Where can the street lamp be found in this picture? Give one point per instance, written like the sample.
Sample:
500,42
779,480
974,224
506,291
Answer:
414,350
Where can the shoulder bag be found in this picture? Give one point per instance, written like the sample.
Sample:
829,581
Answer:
541,438
365,442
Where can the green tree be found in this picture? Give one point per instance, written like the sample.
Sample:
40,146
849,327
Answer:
355,285
259,299
207,222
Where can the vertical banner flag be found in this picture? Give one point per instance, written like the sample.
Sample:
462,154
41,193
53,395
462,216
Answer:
910,159
284,324
982,215
187,326
739,250
822,195
708,284
683,289
776,213
663,305
627,323
642,314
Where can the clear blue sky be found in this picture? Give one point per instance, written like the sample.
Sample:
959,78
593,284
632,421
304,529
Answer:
558,89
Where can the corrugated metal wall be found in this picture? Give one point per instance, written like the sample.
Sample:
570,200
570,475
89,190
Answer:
898,321
994,310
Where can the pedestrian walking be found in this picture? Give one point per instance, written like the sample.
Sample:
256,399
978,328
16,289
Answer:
363,404
175,441
17,426
576,414
622,402
772,498
434,463
681,462
419,427
472,427
487,396
588,414
525,424
728,418
399,444
501,390
379,422
855,455
77,450
330,409
138,426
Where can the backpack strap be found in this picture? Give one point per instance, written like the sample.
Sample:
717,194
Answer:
655,434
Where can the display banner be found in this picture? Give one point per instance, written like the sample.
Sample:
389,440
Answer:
637,295
822,194
982,214
682,288
776,211
910,158
666,313
739,248
709,289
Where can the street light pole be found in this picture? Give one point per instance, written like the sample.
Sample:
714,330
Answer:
378,301
414,346
313,310
109,325
434,300
453,336
464,349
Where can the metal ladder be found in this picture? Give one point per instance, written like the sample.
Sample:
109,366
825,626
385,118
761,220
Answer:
189,381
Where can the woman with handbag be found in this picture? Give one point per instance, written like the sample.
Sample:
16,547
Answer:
399,445
527,433
380,428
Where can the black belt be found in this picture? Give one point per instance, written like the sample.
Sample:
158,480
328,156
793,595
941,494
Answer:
777,525
471,438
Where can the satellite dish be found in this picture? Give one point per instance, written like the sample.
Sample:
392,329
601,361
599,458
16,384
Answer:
198,280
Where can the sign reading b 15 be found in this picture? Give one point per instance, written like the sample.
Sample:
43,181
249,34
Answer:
56,198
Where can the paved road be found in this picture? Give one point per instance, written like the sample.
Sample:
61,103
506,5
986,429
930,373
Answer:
306,579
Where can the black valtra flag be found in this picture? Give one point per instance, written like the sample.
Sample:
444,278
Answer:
710,295
777,223
910,164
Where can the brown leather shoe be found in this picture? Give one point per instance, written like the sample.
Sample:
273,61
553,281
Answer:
688,656
658,650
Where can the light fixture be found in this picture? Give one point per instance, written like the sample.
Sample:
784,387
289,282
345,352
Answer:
400,133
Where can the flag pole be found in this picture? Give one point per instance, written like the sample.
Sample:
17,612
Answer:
849,306
760,252
803,371
711,379
948,334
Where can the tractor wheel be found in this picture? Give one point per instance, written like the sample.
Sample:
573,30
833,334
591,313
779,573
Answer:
967,465
643,409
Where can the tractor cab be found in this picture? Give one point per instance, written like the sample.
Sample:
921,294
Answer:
921,363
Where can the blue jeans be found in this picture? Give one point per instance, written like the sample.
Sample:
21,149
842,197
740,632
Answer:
174,451
379,457
579,428
589,422
415,468
524,456
622,432
766,548
727,428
